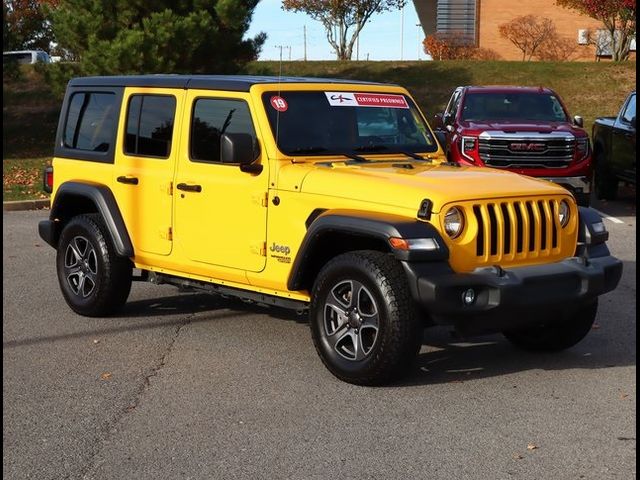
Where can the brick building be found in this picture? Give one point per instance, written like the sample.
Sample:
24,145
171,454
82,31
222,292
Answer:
478,21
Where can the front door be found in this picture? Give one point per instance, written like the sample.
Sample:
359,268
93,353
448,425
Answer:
220,211
623,154
145,165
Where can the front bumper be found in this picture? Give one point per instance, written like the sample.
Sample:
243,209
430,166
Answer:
510,298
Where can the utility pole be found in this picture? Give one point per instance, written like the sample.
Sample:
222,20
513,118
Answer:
402,33
419,25
289,47
305,42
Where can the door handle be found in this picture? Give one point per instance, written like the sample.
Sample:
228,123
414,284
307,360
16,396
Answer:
128,180
185,187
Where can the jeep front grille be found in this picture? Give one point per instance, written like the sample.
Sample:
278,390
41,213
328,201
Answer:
530,150
516,230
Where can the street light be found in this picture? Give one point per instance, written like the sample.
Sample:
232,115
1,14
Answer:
419,25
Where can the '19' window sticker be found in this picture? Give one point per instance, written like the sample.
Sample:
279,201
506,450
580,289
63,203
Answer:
279,103
380,100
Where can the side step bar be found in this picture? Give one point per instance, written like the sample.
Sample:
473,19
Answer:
244,295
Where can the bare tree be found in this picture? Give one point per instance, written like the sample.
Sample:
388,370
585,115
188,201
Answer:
528,33
342,19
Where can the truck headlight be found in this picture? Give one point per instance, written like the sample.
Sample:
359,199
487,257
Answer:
454,222
563,213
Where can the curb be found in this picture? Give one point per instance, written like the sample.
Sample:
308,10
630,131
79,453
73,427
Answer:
26,205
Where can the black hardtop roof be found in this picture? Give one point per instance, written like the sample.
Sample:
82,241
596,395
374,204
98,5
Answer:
238,83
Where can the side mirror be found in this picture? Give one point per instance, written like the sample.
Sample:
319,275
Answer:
442,139
577,120
237,148
437,121
450,128
633,122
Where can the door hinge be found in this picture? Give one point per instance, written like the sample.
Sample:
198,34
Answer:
169,234
261,199
170,189
259,249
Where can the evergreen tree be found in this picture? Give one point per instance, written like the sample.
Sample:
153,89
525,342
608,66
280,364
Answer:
109,37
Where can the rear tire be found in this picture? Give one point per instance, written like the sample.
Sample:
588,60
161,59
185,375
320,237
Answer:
95,282
363,322
557,335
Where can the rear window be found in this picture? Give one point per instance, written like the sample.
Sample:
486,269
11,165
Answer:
150,125
91,121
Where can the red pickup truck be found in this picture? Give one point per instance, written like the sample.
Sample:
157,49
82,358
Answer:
526,130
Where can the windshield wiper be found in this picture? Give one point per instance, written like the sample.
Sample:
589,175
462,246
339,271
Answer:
318,149
380,148
308,150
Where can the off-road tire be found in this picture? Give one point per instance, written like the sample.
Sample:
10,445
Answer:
558,334
399,333
95,282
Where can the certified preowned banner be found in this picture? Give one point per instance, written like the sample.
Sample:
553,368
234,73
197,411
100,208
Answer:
381,100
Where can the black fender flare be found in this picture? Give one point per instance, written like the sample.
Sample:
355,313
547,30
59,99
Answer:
591,243
102,197
378,226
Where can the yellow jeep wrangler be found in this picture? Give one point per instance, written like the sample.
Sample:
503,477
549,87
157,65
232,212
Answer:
327,195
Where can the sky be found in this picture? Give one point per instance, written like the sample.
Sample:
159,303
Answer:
380,39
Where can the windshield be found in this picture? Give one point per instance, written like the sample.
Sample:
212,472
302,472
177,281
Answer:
517,106
325,123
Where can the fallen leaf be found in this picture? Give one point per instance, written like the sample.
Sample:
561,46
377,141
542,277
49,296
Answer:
623,395
531,446
517,456
106,376
96,341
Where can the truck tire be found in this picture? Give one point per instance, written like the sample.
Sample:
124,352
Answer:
557,335
363,321
95,282
605,182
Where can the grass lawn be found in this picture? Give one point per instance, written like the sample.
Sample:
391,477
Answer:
22,178
590,89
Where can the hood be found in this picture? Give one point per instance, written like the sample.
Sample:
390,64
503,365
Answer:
519,126
384,183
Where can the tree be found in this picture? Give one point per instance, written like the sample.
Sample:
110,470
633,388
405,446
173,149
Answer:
618,18
339,16
26,24
528,33
164,36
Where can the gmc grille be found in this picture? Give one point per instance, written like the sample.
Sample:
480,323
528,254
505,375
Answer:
535,151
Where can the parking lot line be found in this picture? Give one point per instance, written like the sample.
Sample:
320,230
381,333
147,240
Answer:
608,217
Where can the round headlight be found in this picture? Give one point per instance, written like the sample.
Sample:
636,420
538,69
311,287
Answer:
454,222
564,213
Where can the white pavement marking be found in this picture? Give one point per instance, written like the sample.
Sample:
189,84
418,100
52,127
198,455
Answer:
611,219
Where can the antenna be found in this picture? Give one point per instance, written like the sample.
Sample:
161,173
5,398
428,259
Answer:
279,93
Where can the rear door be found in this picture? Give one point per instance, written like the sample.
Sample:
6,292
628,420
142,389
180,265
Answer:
145,165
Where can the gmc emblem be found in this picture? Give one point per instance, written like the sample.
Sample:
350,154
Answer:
527,147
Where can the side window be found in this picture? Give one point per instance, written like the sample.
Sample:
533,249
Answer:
630,111
91,121
213,117
149,127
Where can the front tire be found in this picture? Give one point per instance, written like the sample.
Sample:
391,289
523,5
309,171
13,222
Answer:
557,335
95,282
363,322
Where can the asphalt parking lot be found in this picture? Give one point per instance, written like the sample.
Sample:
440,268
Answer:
182,385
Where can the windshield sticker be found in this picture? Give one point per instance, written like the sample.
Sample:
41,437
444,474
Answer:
279,103
380,100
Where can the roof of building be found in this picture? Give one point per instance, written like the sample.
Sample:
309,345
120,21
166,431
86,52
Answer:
240,83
